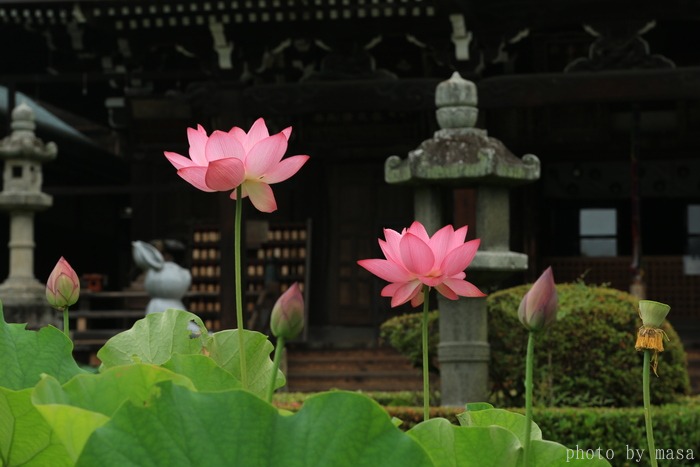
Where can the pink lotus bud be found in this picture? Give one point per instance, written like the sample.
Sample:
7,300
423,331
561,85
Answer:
287,319
63,286
538,307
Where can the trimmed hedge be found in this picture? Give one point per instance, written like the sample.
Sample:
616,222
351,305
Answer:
617,432
586,359
384,398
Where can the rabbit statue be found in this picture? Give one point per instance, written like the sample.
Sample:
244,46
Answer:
166,282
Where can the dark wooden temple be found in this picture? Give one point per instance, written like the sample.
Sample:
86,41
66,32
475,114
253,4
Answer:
605,93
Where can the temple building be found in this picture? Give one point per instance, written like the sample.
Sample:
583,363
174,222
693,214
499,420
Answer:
606,94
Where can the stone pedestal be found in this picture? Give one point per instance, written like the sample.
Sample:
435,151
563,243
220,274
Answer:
459,155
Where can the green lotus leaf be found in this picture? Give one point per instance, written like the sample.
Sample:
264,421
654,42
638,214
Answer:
511,421
85,403
467,446
25,355
204,372
551,454
182,427
154,339
25,437
222,347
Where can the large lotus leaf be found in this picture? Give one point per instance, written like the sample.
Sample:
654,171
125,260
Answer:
223,349
234,427
25,355
204,372
476,406
85,403
466,446
551,454
153,339
25,437
511,421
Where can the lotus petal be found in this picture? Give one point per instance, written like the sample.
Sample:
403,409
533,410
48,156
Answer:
225,174
416,255
285,169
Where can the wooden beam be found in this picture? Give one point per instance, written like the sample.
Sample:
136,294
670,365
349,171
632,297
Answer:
538,90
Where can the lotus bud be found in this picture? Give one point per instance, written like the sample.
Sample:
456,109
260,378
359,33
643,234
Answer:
287,319
538,308
63,286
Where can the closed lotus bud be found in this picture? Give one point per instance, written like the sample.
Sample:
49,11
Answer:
63,286
538,308
287,319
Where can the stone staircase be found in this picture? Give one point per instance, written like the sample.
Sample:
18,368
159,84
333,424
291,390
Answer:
381,369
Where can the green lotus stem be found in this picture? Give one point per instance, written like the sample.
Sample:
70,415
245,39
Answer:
66,327
647,408
426,369
279,350
529,363
239,296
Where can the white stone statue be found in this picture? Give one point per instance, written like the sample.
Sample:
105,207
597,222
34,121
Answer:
166,282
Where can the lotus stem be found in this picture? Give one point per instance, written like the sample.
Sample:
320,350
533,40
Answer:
529,364
66,326
239,288
279,350
647,407
426,368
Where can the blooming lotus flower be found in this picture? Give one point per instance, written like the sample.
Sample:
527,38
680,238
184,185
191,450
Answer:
287,318
414,260
538,308
63,286
253,160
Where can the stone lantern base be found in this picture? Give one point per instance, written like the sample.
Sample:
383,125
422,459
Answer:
26,303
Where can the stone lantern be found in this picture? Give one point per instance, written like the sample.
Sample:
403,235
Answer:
23,296
458,156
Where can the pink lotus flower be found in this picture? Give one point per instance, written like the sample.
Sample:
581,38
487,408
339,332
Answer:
414,260
287,318
538,308
63,286
223,161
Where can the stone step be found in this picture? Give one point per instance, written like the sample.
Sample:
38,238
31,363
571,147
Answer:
381,369
350,384
347,361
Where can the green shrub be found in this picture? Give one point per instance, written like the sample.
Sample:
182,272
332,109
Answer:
676,428
403,333
613,430
587,358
